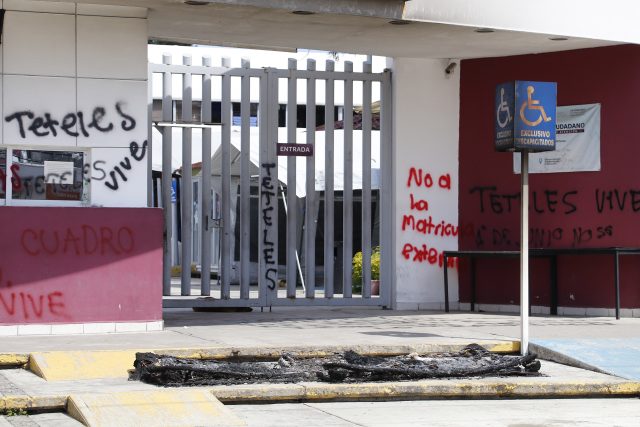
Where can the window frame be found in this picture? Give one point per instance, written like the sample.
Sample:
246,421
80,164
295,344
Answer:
8,190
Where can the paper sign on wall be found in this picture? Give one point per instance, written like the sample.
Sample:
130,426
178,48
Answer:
58,172
577,143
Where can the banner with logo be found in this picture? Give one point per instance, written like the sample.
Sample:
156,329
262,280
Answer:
577,143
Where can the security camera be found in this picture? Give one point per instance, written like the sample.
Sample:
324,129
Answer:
452,66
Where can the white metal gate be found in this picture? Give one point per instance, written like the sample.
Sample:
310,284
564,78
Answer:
296,275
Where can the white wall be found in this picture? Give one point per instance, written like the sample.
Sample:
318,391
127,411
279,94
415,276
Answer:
69,60
426,115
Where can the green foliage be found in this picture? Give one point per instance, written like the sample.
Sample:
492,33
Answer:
176,270
14,412
356,274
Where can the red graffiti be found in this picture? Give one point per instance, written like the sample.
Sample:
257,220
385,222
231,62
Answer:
28,305
425,254
418,205
80,240
427,226
16,182
420,178
445,181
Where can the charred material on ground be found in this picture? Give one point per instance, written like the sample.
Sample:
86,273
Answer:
348,367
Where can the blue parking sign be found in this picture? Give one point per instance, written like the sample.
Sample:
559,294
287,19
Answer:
504,111
525,116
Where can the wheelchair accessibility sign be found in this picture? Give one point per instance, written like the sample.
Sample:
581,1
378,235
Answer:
525,116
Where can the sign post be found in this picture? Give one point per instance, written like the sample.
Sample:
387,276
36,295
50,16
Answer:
524,252
526,122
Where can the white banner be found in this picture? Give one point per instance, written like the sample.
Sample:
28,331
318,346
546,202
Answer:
577,143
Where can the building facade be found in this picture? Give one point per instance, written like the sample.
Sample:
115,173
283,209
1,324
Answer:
83,249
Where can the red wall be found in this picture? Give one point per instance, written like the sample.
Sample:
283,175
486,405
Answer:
564,205
72,265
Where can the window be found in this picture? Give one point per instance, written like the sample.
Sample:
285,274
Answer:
43,175
196,115
237,114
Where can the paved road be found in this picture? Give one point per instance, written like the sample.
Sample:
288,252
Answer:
450,413
433,413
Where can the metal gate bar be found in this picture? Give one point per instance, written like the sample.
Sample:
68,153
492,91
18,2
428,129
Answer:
270,150
186,190
245,189
292,204
310,210
268,196
387,264
207,202
225,269
167,184
328,185
366,184
347,203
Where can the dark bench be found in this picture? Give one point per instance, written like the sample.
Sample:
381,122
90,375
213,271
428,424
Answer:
552,254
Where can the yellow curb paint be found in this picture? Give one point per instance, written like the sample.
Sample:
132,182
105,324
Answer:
425,389
177,407
504,347
13,359
259,392
77,365
33,402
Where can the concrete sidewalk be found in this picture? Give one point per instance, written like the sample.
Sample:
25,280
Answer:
599,342
311,331
330,326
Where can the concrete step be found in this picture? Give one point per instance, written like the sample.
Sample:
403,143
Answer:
168,407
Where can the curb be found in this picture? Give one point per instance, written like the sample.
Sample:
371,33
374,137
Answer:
321,351
409,390
95,364
13,360
33,403
426,389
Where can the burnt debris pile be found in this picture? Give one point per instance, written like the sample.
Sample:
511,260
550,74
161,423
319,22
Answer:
348,367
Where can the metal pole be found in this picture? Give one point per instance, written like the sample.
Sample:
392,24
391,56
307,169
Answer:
186,193
167,205
446,284
207,202
329,213
245,183
293,243
310,206
616,267
524,252
290,198
225,171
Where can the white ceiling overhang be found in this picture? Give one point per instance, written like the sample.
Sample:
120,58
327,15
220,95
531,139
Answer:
436,29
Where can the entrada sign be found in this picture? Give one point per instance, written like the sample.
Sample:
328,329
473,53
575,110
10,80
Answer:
525,116
295,149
